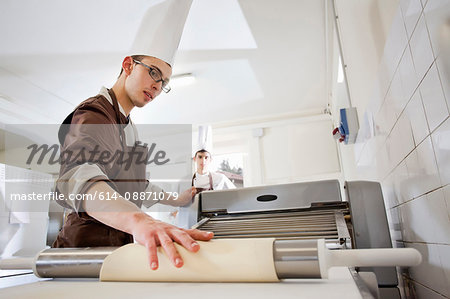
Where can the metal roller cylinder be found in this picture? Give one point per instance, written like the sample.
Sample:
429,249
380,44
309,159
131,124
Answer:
296,259
292,258
71,262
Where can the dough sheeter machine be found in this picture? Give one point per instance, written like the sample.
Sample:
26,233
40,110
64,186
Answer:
313,230
303,211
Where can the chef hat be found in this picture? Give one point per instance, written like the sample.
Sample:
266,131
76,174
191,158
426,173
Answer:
160,31
204,139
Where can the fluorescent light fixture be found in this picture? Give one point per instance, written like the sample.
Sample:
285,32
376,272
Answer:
182,80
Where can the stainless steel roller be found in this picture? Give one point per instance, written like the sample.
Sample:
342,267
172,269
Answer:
283,226
292,259
71,262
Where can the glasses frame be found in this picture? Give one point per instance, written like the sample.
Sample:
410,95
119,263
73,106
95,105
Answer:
165,83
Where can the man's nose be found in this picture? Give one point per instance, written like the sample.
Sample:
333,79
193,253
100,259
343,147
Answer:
157,85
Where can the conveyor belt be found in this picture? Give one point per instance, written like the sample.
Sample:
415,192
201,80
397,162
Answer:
281,225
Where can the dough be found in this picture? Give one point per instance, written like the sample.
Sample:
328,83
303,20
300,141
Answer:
222,260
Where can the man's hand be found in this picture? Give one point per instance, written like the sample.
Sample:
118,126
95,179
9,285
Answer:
124,215
152,233
183,199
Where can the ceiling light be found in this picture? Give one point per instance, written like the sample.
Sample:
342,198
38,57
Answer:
182,80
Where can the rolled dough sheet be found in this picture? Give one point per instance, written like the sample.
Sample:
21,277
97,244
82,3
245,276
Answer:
222,260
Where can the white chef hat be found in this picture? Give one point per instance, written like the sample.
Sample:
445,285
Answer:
204,141
160,31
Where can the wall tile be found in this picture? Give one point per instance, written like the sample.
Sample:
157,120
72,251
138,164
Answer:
424,2
358,149
401,140
417,119
390,159
395,43
411,10
408,75
376,99
395,224
386,117
380,141
421,49
436,13
433,99
444,74
387,186
401,183
412,96
429,272
441,144
426,220
447,199
396,95
438,221
444,253
422,292
422,170
385,71
382,161
406,214
415,172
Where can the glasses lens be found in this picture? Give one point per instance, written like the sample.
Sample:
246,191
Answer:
166,88
155,75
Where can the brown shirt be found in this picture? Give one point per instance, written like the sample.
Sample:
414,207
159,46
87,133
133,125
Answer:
92,130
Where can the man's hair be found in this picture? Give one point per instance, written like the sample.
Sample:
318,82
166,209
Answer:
138,58
134,57
202,151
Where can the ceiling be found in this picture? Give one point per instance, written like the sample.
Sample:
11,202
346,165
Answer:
252,59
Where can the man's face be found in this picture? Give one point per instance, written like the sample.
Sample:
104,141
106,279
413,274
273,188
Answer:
141,88
202,160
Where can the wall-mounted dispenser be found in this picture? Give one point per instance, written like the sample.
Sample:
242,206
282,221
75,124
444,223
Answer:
348,127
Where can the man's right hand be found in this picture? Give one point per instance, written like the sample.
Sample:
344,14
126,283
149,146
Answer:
152,233
124,215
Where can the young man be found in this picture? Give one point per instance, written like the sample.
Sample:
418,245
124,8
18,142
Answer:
101,126
203,179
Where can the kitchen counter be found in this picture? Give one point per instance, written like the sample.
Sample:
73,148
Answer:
340,284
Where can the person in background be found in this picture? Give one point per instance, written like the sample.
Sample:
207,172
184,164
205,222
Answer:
203,179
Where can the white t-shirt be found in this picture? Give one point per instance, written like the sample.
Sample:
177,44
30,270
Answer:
220,181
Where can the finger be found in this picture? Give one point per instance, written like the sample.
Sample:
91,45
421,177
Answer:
152,253
193,191
169,248
200,234
183,238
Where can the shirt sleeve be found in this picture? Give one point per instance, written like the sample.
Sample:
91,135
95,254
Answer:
91,134
76,181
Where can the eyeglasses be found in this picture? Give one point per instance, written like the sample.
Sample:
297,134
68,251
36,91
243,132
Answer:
156,75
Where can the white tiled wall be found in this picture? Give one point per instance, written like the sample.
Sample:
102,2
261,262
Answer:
410,150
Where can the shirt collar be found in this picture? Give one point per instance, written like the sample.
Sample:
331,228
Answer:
202,174
104,92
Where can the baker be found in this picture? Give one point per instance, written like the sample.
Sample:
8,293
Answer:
102,125
203,179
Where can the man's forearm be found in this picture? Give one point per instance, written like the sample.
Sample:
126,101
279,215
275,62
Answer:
127,217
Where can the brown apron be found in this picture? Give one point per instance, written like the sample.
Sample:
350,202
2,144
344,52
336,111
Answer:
203,189
80,229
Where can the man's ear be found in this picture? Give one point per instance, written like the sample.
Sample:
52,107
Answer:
127,65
